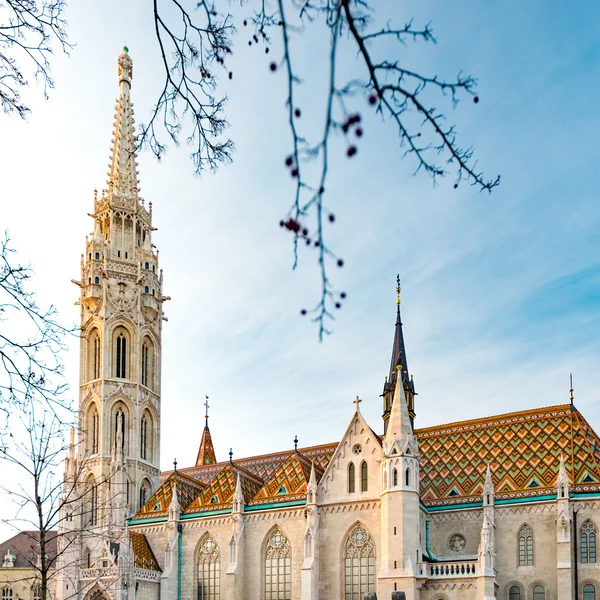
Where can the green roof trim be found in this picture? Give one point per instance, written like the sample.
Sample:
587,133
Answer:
275,505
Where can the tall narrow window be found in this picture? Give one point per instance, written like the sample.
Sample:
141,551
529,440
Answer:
588,542
37,592
7,593
145,364
514,593
87,559
407,477
395,477
93,502
96,373
209,570
525,546
364,477
144,438
589,592
120,426
351,478
539,592
121,356
95,430
359,568
144,492
278,567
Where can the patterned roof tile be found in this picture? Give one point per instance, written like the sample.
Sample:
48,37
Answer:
143,555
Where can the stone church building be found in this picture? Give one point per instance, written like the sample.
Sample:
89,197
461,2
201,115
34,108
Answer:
503,507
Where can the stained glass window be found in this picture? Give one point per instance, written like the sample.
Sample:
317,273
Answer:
278,567
359,573
588,542
589,592
209,570
525,546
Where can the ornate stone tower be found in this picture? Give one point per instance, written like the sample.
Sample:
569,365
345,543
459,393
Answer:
121,321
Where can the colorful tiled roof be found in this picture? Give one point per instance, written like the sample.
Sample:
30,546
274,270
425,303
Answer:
289,482
143,555
188,489
523,449
206,452
220,491
25,547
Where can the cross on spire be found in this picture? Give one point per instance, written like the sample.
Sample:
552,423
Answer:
206,405
357,402
398,289
231,455
175,464
296,443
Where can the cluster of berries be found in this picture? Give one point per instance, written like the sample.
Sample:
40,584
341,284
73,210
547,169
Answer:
352,124
338,304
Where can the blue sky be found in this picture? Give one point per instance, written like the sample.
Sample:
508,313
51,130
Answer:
500,292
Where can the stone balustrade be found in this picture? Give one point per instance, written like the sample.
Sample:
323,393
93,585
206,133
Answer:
445,570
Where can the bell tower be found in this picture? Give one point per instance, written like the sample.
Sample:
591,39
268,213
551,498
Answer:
121,322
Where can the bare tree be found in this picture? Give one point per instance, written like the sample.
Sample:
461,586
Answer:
28,29
31,342
55,508
195,47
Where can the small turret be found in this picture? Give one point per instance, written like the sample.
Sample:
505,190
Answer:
562,481
488,488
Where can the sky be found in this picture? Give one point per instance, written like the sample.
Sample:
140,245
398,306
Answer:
501,291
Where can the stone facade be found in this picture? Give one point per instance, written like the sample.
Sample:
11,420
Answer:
504,507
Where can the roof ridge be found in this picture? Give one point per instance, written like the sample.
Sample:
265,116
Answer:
492,418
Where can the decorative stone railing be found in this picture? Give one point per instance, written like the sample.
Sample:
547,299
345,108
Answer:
445,570
146,575
98,572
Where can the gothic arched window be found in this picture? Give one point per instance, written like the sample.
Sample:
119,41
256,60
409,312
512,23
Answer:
144,492
209,569
589,592
364,477
94,359
7,593
37,592
95,430
87,559
395,477
278,567
514,593
92,491
146,436
539,592
587,536
121,355
525,546
147,369
351,478
359,568
407,477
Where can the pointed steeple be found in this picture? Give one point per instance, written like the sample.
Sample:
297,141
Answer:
174,507
237,505
398,359
399,432
311,491
488,488
206,452
562,482
122,176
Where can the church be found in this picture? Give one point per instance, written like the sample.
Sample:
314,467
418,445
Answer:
504,507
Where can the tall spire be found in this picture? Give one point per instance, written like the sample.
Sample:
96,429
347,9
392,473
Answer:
398,359
206,452
399,431
122,176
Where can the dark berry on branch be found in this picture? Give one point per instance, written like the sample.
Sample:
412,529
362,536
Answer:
351,151
249,42
321,190
308,241
281,223
343,295
230,75
317,243
455,185
289,160
273,66
338,305
353,119
331,217
476,99
340,262
294,172
345,127
267,50
303,311
358,132
372,98
280,23
245,22
292,225
297,112
305,231
214,13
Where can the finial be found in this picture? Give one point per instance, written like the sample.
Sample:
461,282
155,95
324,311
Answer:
357,402
125,49
206,405
571,397
230,455
398,289
175,465
296,443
